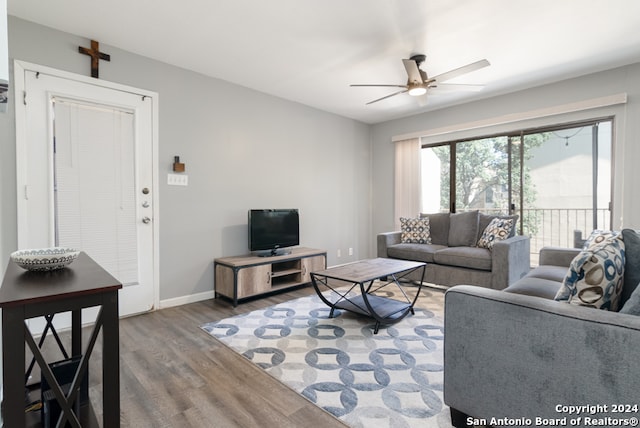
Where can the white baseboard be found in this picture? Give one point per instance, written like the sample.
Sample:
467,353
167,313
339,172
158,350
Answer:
183,300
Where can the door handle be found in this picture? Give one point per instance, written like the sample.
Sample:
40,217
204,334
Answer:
146,220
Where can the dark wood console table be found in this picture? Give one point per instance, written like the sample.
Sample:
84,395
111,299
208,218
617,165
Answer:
351,287
25,295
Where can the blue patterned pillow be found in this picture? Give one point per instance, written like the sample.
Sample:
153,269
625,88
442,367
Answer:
415,230
599,236
596,276
497,230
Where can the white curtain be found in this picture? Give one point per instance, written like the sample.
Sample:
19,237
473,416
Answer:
407,179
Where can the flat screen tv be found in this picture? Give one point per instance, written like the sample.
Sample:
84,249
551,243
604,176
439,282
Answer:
272,231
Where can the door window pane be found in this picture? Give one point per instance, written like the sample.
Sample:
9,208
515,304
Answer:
95,204
482,175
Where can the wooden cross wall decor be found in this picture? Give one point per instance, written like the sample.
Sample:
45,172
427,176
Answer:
95,55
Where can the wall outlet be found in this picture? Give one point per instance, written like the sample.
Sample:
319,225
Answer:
339,253
177,179
350,251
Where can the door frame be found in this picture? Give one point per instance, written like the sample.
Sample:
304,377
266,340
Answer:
21,98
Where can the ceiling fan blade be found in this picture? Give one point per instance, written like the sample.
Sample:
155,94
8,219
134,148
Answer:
387,96
413,72
447,87
380,86
462,70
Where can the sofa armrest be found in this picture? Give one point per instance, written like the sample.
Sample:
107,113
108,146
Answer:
558,256
510,261
385,240
510,355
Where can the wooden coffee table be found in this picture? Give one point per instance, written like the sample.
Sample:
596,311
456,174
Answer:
351,287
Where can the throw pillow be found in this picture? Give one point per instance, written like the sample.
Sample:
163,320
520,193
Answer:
497,230
485,219
595,276
632,306
439,226
598,237
463,229
632,267
415,230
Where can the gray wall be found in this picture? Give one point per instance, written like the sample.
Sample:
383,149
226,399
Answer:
243,149
626,174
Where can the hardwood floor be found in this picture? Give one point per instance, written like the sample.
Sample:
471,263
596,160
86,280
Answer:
173,374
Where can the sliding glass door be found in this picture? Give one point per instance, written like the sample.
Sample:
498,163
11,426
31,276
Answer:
568,174
482,175
558,180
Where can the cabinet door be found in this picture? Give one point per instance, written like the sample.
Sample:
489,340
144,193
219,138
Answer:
254,280
312,264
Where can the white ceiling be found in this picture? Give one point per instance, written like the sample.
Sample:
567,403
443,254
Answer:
310,51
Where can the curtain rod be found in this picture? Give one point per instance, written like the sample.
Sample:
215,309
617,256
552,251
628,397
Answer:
519,117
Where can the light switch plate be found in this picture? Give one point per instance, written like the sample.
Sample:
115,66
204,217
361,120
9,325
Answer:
177,179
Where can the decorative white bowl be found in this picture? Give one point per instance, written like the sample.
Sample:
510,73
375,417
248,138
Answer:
44,259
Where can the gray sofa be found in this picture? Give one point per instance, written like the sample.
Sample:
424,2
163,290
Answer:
546,278
453,257
519,354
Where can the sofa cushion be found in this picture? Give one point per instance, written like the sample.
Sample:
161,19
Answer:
497,230
468,257
439,224
596,276
632,266
632,305
533,286
463,229
485,219
415,252
549,272
415,230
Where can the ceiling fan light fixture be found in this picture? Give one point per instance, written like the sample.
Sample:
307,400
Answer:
418,83
417,91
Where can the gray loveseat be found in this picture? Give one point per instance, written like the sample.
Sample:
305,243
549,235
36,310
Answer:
453,258
520,354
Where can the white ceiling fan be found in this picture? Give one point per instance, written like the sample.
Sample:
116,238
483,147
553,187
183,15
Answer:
418,83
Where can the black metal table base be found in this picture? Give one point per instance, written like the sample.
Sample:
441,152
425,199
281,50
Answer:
358,296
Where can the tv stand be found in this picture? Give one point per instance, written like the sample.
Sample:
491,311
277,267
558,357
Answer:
240,277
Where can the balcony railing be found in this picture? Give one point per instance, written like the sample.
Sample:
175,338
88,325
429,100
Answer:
561,227
557,226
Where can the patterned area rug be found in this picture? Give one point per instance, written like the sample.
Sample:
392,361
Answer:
390,379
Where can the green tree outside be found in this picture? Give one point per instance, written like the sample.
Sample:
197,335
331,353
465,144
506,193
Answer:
482,176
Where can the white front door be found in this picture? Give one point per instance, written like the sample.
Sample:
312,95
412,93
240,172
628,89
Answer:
86,179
